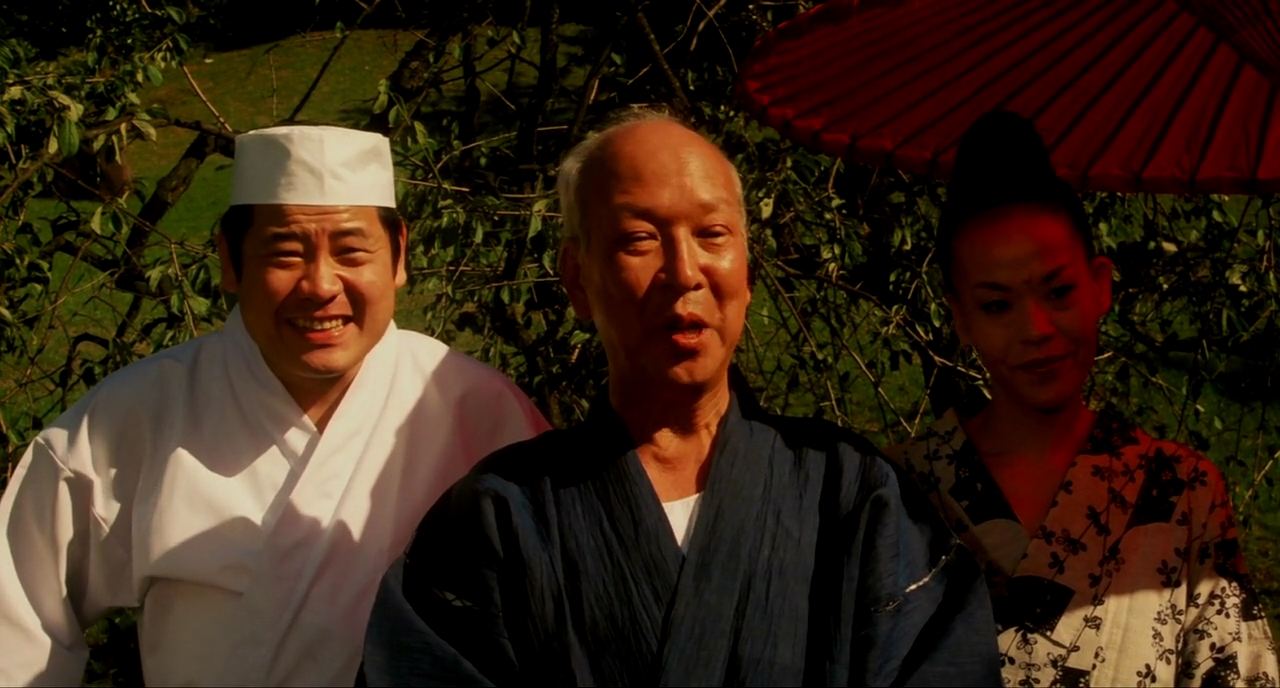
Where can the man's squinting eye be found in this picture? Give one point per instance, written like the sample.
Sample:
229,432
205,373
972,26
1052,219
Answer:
284,252
352,250
635,240
714,232
1061,291
995,307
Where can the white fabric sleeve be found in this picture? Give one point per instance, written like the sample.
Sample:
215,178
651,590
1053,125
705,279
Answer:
51,557
492,413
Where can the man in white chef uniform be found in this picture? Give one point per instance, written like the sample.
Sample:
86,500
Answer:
248,489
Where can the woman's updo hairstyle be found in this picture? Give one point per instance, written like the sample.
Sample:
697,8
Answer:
1002,162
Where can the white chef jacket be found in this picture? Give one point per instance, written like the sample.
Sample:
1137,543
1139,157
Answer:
191,484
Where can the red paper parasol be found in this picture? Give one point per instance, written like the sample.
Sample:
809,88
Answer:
1163,96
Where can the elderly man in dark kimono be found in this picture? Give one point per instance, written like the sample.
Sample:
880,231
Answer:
679,536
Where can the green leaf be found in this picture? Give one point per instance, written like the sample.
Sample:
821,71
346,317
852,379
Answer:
535,225
766,208
95,222
199,305
176,14
145,127
73,109
339,29
153,73
68,137
421,132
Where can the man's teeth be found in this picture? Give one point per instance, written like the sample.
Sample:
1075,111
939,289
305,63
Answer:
318,325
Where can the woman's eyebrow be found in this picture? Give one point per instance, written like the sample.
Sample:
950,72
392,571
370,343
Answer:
1053,274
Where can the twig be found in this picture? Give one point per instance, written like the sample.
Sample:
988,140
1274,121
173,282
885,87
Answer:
512,283
496,92
436,185
195,126
711,13
662,62
196,87
293,116
22,177
592,82
271,62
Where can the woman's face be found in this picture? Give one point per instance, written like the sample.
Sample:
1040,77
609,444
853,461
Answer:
1028,299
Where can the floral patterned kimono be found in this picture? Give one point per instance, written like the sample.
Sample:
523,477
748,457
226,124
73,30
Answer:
1135,578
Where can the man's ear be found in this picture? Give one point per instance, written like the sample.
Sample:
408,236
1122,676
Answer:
571,276
402,275
958,320
230,283
1100,271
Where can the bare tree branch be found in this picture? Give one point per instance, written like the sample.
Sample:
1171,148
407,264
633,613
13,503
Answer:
200,94
293,116
681,99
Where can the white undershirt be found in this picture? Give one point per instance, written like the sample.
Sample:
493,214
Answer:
683,513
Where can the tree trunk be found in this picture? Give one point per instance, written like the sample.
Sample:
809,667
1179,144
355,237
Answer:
548,82
471,93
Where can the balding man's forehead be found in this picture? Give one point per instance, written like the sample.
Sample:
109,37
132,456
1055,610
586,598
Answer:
656,148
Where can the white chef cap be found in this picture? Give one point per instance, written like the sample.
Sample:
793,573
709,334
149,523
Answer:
313,165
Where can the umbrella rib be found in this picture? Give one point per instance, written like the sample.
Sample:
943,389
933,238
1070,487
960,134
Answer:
1135,104
1173,113
874,56
1121,8
1217,118
1104,90
1267,111
974,40
1084,16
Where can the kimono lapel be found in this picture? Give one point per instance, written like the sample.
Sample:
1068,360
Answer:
265,399
304,524
1066,564
741,605
620,556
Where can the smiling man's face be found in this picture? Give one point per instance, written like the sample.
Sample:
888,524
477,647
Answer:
317,288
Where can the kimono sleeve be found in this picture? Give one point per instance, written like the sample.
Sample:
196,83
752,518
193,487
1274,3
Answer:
489,412
56,570
1225,639
930,620
437,619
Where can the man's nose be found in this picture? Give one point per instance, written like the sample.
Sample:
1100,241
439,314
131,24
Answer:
681,264
320,280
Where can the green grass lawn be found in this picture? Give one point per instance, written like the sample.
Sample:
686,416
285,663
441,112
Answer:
256,87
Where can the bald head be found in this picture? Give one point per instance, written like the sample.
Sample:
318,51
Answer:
655,255
636,153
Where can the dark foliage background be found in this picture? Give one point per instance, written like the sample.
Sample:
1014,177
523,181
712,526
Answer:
846,321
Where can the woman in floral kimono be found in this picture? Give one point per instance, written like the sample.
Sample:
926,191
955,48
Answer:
1112,557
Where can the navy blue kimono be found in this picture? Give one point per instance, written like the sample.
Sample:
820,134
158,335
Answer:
811,561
